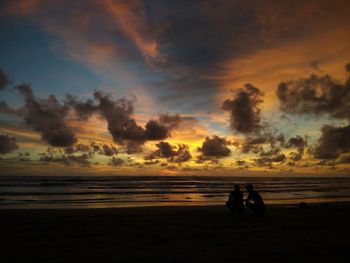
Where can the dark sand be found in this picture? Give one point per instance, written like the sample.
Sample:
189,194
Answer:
176,234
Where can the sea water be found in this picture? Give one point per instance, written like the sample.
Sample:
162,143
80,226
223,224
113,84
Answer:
138,191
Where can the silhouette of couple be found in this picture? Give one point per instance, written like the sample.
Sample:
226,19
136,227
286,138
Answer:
253,202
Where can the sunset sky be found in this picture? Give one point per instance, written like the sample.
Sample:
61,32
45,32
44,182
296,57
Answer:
183,87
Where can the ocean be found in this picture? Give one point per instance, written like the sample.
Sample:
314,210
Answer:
138,191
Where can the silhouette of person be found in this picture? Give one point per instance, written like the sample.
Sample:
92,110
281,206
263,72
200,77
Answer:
255,201
235,200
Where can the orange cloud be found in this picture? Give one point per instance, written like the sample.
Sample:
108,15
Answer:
266,68
130,17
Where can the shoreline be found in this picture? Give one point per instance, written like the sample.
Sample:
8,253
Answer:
318,233
164,205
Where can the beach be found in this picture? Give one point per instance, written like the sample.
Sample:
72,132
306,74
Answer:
285,233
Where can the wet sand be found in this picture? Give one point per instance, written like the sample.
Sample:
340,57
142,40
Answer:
319,233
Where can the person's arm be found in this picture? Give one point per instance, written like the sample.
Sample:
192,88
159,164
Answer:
248,199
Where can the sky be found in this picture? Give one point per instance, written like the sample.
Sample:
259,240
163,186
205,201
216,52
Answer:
200,87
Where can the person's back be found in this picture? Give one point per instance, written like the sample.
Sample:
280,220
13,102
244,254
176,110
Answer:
235,201
254,200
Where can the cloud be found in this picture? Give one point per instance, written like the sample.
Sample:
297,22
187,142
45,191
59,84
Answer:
83,159
84,110
118,116
299,143
165,150
315,95
240,162
255,143
123,24
172,153
268,161
215,147
80,147
345,159
182,155
7,144
121,125
101,149
109,150
83,147
333,142
116,161
46,116
4,108
3,80
244,109
195,43
160,130
347,67
319,96
132,147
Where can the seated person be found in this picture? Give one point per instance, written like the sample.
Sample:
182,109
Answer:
235,200
255,201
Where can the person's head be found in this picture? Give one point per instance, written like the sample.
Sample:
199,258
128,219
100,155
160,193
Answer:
250,187
237,187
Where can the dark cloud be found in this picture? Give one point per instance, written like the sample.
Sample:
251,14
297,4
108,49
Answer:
244,109
268,157
116,161
152,162
155,131
170,121
347,67
345,159
69,150
172,153
316,95
165,150
299,143
49,116
117,113
333,142
80,147
83,147
118,116
133,147
182,38
121,125
109,150
182,155
83,159
7,144
4,108
240,162
215,147
295,156
256,142
3,80
272,152
326,163
83,109
99,148
46,116
291,164
207,35
268,161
